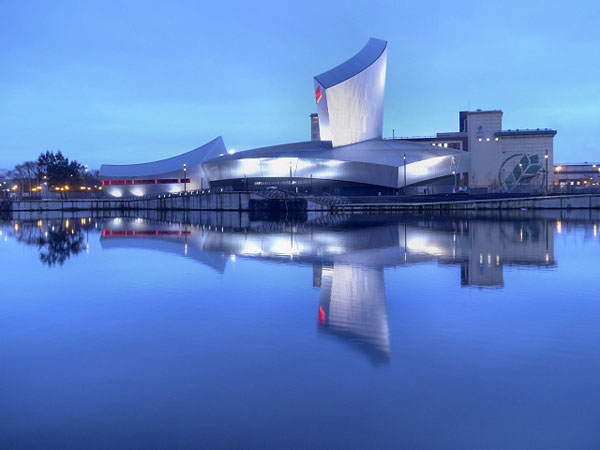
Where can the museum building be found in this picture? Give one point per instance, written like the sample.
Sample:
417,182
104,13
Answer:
347,154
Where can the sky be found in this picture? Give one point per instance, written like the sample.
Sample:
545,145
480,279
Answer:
134,81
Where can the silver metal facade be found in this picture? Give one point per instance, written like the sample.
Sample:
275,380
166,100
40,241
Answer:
376,162
350,96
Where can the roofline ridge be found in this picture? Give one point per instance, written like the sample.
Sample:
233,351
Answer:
164,159
362,70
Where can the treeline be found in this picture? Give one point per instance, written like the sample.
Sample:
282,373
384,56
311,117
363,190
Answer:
51,172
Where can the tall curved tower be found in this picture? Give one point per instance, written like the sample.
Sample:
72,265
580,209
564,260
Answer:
350,96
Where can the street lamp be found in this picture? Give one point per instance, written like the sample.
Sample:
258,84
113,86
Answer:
404,166
520,172
184,177
546,158
453,167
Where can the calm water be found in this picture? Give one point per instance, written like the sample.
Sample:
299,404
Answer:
209,331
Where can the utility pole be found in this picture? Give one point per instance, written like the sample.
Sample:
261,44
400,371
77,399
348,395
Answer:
184,177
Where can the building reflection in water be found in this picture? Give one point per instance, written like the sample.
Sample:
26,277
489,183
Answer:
353,307
496,244
167,237
348,255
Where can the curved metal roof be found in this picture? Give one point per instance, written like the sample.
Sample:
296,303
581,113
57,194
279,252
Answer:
359,62
379,151
376,162
197,156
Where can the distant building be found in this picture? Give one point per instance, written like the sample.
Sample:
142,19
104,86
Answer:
572,175
501,160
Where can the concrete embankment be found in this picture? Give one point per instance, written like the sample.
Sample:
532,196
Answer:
250,201
214,201
584,201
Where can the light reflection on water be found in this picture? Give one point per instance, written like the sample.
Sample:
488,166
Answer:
487,306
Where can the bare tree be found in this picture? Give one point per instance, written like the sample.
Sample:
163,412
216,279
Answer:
18,175
25,173
31,171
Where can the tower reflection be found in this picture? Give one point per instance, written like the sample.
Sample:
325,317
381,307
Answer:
353,307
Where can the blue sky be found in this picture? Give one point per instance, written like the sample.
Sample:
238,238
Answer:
127,81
